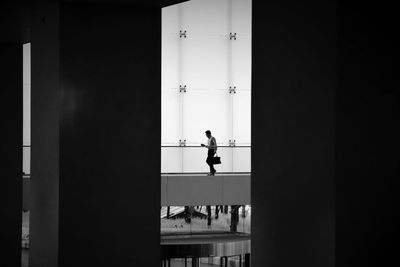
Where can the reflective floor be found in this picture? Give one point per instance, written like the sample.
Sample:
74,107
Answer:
24,257
177,223
25,239
206,262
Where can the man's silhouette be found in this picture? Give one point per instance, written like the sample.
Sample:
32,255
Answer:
212,149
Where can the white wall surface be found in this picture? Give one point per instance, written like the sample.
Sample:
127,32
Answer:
207,62
26,141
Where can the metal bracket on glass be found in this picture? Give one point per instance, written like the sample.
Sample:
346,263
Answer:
232,36
232,142
182,34
182,88
182,142
232,89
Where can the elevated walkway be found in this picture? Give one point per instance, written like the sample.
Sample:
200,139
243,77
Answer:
183,189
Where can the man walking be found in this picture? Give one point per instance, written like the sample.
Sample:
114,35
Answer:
212,149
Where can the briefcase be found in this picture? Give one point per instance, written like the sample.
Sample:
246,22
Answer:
216,160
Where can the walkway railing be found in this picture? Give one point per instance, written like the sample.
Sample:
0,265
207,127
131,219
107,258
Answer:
26,160
188,159
192,159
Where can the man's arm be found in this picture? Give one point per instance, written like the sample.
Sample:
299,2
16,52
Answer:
213,144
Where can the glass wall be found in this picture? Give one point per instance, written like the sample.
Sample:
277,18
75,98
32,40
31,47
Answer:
206,84
26,142
26,150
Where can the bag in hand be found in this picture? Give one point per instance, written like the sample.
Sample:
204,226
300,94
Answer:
216,160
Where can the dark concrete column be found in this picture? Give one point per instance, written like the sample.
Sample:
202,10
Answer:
110,79
95,135
367,136
45,131
11,153
293,133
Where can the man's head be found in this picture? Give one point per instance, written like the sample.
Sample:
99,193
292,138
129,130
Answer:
208,133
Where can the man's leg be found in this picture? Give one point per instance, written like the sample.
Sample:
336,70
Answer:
210,157
209,163
212,167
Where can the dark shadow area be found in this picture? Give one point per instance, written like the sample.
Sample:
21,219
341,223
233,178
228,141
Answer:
367,135
11,153
293,133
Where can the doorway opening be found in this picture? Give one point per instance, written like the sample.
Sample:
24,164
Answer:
206,85
26,152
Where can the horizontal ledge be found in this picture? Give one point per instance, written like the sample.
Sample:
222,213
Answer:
204,174
205,147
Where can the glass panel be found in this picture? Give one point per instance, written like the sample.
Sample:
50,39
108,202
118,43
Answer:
194,160
170,66
26,71
241,17
26,75
170,128
242,159
242,117
171,159
205,17
226,154
206,110
170,104
26,160
205,62
241,63
170,20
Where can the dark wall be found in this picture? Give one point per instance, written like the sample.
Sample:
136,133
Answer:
15,21
110,135
45,106
293,133
13,32
11,153
367,136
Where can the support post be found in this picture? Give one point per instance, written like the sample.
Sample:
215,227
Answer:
209,215
195,262
247,260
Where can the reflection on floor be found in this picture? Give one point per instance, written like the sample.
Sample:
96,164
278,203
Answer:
24,257
25,229
206,262
25,239
169,226
206,237
222,223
